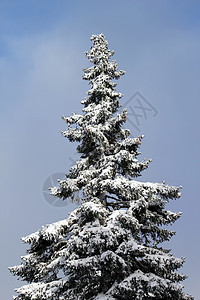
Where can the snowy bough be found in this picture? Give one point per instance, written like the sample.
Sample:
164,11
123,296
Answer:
109,247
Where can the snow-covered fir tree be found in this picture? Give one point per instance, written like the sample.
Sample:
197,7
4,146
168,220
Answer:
108,247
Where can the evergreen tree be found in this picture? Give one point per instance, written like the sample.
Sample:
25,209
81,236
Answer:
108,248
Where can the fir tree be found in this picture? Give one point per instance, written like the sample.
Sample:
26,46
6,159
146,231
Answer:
108,248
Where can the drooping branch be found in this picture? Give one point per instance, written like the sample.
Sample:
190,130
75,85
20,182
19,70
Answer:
112,198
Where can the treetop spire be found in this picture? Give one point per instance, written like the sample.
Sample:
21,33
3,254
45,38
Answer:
103,70
99,51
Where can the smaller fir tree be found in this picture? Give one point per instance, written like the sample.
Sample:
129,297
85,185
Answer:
108,248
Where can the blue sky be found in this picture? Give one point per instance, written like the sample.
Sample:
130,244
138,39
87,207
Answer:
42,46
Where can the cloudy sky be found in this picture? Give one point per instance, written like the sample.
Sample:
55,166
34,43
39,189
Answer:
42,46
